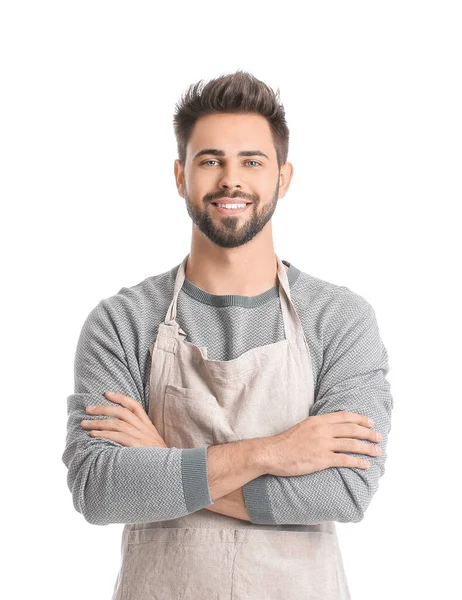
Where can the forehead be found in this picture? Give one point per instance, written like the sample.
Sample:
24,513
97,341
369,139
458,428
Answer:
231,133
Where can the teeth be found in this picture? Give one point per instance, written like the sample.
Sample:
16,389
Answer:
231,205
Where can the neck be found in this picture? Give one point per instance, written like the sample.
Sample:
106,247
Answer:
246,270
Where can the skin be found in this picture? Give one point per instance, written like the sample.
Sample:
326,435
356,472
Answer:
232,254
229,254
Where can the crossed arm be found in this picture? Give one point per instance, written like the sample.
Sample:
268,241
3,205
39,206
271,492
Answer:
132,427
352,378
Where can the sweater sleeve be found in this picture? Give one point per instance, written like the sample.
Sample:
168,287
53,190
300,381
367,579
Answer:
352,378
109,482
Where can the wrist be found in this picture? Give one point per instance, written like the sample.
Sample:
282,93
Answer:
260,454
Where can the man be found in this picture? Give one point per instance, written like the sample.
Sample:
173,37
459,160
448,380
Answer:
251,407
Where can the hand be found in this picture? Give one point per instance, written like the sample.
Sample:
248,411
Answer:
316,443
132,427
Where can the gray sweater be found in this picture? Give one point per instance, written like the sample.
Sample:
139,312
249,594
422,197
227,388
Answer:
112,483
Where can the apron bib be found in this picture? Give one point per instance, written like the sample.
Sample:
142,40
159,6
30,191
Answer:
193,402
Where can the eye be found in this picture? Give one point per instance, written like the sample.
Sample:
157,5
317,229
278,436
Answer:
208,161
216,161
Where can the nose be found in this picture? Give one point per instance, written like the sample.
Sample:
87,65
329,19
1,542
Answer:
230,188
229,179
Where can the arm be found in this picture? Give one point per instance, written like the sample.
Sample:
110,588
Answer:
352,378
230,466
231,505
111,483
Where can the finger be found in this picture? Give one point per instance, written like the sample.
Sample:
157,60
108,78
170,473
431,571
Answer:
117,411
355,446
129,403
111,425
345,460
353,430
344,416
116,436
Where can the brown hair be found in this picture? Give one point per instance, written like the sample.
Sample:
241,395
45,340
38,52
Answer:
238,92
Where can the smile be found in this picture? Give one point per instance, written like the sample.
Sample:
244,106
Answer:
238,207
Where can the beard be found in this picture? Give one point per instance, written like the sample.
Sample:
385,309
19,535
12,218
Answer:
225,231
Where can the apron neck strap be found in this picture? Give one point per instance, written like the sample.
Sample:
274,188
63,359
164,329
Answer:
179,279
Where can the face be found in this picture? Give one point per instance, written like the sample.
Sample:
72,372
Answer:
231,156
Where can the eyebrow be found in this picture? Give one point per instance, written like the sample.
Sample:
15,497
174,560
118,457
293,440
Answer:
216,152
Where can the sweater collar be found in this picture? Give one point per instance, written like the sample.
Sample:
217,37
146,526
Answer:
234,299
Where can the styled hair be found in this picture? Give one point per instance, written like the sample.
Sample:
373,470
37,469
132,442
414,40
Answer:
238,92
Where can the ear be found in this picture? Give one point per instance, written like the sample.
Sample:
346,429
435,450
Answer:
179,177
285,177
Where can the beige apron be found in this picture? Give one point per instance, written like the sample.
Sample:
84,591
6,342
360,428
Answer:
197,402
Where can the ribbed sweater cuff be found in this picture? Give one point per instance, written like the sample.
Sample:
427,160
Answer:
257,501
195,481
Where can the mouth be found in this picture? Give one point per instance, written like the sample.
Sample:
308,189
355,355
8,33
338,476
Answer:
236,203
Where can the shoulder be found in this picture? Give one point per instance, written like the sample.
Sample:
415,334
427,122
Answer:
145,295
341,324
132,305
331,304
333,315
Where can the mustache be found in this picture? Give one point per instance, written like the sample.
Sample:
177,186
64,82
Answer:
217,197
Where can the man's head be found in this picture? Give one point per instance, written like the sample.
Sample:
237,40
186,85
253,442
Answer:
232,141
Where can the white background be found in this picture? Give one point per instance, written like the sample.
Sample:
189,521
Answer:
372,92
